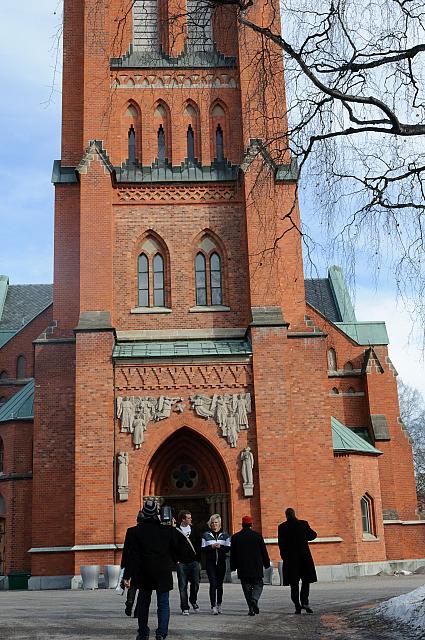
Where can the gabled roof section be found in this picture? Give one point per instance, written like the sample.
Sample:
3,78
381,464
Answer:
283,172
94,148
20,406
331,298
346,441
23,302
319,295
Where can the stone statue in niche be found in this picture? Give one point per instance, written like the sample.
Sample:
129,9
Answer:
126,409
229,411
247,466
135,413
122,476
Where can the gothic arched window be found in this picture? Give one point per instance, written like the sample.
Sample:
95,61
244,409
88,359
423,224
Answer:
158,281
20,367
131,145
161,145
190,144
208,274
151,272
368,516
143,278
219,148
201,279
215,279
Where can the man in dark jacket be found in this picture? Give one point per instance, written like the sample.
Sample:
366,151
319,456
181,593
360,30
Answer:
293,537
125,560
152,552
188,569
248,555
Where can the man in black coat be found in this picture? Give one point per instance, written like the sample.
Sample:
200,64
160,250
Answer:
293,537
248,555
125,560
152,552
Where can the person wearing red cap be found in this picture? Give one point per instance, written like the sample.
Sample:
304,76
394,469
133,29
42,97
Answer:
249,557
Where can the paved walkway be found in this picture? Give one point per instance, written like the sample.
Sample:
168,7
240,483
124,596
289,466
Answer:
341,612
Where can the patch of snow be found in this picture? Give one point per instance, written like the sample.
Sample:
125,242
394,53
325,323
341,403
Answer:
408,608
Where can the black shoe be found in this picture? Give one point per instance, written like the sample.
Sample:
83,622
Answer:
255,607
297,610
128,609
251,613
306,608
159,636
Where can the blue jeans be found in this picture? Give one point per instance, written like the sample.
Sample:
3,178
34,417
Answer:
163,612
188,572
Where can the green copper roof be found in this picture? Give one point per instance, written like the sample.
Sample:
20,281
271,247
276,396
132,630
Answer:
20,406
365,333
341,294
346,441
182,348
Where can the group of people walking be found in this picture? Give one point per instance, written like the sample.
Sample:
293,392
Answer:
152,549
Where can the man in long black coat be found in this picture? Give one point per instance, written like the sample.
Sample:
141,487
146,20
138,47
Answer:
153,550
130,537
248,555
293,537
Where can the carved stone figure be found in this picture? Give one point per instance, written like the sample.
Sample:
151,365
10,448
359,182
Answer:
221,413
136,412
122,481
138,432
126,408
243,407
247,466
202,405
232,429
230,412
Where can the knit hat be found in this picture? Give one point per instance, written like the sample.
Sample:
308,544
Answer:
247,520
150,508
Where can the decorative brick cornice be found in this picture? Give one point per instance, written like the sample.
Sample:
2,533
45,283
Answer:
159,194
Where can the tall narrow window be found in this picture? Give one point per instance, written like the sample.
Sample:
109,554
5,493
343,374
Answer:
201,279
158,281
215,279
190,144
332,359
131,145
161,146
366,504
219,149
143,281
20,367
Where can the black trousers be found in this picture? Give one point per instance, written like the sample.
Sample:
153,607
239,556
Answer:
252,589
300,599
216,573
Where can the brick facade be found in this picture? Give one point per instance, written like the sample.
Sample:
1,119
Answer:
102,223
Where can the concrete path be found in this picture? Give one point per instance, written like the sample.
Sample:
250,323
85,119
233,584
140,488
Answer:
341,612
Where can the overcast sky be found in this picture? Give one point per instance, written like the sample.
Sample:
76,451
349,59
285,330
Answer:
30,119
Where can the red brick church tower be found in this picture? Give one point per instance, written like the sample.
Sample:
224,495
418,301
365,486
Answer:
181,334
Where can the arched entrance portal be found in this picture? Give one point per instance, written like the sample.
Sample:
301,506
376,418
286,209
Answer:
187,473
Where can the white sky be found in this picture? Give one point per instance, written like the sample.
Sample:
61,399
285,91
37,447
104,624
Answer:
30,122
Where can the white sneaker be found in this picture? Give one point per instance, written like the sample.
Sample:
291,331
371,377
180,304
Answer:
185,612
214,611
219,608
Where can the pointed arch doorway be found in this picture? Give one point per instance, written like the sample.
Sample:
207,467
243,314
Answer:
186,472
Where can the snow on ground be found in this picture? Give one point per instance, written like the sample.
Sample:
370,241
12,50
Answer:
408,608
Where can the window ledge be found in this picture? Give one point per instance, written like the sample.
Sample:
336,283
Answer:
206,308
150,310
369,537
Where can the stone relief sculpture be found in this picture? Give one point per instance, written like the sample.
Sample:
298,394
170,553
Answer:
135,413
230,412
122,481
247,466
